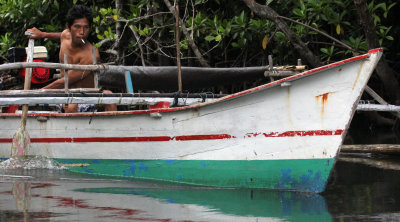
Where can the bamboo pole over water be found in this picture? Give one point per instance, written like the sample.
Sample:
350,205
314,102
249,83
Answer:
372,148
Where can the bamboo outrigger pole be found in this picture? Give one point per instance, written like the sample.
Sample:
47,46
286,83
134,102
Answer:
50,65
21,140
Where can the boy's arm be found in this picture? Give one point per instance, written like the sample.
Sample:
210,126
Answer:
37,34
74,75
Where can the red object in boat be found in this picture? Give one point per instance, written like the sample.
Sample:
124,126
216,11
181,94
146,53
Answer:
12,108
160,105
39,75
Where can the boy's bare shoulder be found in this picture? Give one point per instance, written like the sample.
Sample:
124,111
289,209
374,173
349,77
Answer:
66,34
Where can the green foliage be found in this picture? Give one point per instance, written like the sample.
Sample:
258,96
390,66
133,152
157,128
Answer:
339,19
103,22
328,53
381,10
6,43
17,16
358,44
47,15
227,33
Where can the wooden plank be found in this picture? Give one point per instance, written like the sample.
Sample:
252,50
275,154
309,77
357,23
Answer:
377,107
372,148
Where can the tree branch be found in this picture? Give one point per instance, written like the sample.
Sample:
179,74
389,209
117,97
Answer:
268,13
139,44
320,32
192,44
119,33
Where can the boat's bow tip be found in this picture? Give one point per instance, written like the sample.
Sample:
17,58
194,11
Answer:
372,51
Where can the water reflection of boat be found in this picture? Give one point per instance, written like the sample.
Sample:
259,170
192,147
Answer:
88,201
284,135
238,202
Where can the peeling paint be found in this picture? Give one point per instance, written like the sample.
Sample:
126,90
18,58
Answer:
309,181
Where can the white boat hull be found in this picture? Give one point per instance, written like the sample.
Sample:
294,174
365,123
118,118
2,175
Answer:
304,117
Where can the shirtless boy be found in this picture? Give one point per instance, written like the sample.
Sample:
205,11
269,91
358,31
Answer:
79,51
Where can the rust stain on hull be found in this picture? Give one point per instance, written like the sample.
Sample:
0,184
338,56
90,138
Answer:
322,100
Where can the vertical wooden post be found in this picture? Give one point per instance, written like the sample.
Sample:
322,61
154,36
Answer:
178,49
95,73
27,83
66,73
21,139
28,71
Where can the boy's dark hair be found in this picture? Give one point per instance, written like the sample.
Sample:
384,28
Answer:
78,12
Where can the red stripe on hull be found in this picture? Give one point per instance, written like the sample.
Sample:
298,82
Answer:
178,138
203,137
5,140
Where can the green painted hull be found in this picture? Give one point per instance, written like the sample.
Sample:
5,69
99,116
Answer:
300,174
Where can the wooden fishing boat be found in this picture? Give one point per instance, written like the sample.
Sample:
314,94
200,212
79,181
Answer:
283,135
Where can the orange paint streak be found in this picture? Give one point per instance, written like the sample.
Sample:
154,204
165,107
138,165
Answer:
324,101
324,98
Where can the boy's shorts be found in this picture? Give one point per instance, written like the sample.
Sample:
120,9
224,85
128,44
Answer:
82,108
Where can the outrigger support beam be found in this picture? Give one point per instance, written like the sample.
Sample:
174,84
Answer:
23,65
100,98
